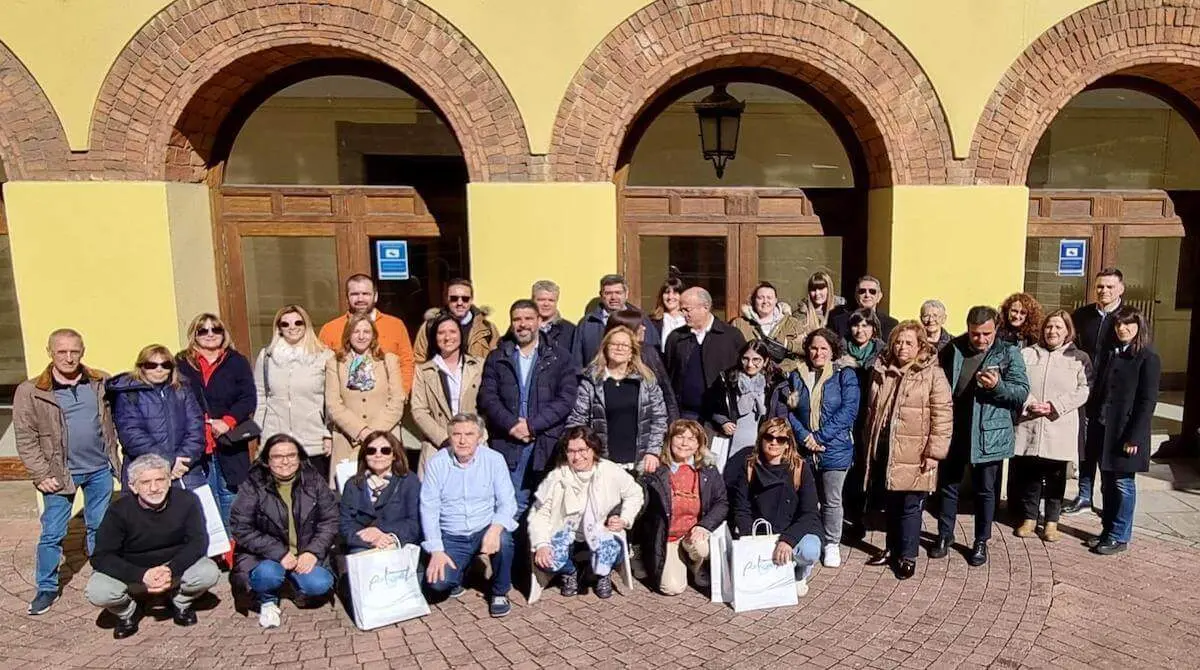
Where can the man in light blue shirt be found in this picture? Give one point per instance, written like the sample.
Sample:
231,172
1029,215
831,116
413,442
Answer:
468,507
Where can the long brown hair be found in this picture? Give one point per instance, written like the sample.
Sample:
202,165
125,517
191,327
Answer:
372,348
1030,331
924,347
399,457
791,455
1066,319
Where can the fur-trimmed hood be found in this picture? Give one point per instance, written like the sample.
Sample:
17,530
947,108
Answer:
749,315
478,310
926,358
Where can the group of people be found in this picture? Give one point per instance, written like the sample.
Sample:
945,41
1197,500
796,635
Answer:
630,430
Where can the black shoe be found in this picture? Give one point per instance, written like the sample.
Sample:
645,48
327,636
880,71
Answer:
941,547
126,628
1076,506
978,555
881,558
906,568
702,579
570,585
1093,542
42,602
604,587
1110,547
185,616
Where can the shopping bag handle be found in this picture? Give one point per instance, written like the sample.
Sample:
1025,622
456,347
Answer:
762,522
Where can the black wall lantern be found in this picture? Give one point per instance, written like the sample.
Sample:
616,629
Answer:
720,118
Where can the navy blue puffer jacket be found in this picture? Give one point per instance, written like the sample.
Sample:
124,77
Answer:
839,409
161,420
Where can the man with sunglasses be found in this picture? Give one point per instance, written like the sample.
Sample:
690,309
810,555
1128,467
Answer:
67,441
479,336
868,293
362,295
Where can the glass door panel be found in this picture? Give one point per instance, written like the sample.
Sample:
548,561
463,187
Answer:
1043,282
788,262
702,261
280,270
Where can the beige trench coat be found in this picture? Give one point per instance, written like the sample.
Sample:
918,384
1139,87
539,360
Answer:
431,409
350,411
1063,378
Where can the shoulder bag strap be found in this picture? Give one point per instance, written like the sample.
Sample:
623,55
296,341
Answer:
266,373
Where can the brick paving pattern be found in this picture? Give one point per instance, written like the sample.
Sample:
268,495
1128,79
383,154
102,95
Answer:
1033,605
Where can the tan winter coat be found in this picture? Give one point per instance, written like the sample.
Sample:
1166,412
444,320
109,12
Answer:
789,331
1063,378
484,336
291,398
350,411
431,409
41,429
921,420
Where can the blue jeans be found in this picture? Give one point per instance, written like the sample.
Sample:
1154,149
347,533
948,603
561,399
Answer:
604,557
1119,491
1092,448
522,480
97,490
220,489
462,550
806,554
267,578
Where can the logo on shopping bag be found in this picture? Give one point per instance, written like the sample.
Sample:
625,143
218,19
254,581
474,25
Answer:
389,579
758,566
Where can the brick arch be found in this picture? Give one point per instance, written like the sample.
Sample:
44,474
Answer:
1155,40
837,49
33,144
168,92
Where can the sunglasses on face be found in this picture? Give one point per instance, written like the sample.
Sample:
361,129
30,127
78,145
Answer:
459,298
215,330
292,324
150,365
868,291
775,439
382,451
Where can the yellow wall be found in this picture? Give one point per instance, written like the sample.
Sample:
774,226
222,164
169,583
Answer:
193,263
964,245
521,233
96,257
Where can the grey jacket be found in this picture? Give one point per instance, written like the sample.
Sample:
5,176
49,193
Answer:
652,411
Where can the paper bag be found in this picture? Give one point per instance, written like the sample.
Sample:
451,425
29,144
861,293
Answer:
721,585
344,470
757,582
385,586
720,451
218,538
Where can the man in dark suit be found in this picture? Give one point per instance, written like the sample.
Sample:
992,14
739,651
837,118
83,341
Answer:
699,351
868,293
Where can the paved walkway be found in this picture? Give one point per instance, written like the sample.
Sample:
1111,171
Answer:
1033,605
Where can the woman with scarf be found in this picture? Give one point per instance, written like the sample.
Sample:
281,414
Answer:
824,398
580,506
290,377
381,504
741,396
767,318
364,392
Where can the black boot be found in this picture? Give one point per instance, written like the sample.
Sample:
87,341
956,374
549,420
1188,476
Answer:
906,568
978,555
882,558
941,547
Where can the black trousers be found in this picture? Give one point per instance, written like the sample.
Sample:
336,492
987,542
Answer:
1038,478
904,523
984,478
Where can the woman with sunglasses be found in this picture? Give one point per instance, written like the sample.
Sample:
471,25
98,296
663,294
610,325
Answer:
381,504
155,413
223,382
364,391
771,481
290,377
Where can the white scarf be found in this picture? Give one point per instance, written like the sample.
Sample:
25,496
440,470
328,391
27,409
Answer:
285,354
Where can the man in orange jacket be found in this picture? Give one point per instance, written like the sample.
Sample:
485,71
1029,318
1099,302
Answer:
393,335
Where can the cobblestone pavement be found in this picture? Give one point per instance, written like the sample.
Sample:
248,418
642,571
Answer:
1033,605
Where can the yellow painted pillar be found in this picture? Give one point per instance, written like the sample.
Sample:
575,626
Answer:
105,259
520,233
963,245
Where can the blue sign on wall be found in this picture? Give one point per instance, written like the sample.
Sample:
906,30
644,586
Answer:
1072,258
391,257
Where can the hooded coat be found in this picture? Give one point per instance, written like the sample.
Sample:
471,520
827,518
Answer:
789,331
160,419
484,335
838,414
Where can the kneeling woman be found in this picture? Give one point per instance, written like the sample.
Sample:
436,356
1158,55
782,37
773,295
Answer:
284,522
909,418
687,501
381,505
773,483
580,505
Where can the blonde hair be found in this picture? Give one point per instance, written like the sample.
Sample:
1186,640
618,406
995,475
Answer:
679,427
600,362
200,320
791,455
149,352
310,343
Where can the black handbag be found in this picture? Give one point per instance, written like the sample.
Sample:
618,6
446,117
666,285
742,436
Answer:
243,432
777,351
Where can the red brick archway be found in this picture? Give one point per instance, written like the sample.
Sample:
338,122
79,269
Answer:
166,96
1158,40
836,48
32,142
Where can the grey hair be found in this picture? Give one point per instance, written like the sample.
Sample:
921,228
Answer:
936,304
146,463
468,418
63,332
704,295
545,285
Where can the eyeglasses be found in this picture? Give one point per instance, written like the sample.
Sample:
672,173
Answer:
868,291
215,330
150,365
775,439
459,298
620,346
382,451
578,452
279,458
292,324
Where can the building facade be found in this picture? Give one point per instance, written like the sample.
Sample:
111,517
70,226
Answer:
161,158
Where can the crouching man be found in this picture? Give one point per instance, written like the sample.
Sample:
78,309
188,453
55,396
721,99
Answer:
151,542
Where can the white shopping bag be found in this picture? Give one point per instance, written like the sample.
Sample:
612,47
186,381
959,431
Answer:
343,471
385,586
218,539
757,582
720,452
721,585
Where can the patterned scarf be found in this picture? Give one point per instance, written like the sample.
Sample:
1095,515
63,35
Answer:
362,373
377,485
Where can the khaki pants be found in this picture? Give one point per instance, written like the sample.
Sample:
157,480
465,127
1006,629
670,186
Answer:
681,555
116,596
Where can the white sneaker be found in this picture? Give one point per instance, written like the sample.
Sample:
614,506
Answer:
833,556
269,615
801,588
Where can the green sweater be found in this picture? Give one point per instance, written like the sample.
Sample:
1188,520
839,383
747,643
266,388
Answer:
284,487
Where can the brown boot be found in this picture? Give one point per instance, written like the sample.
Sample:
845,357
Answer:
1026,528
1050,532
